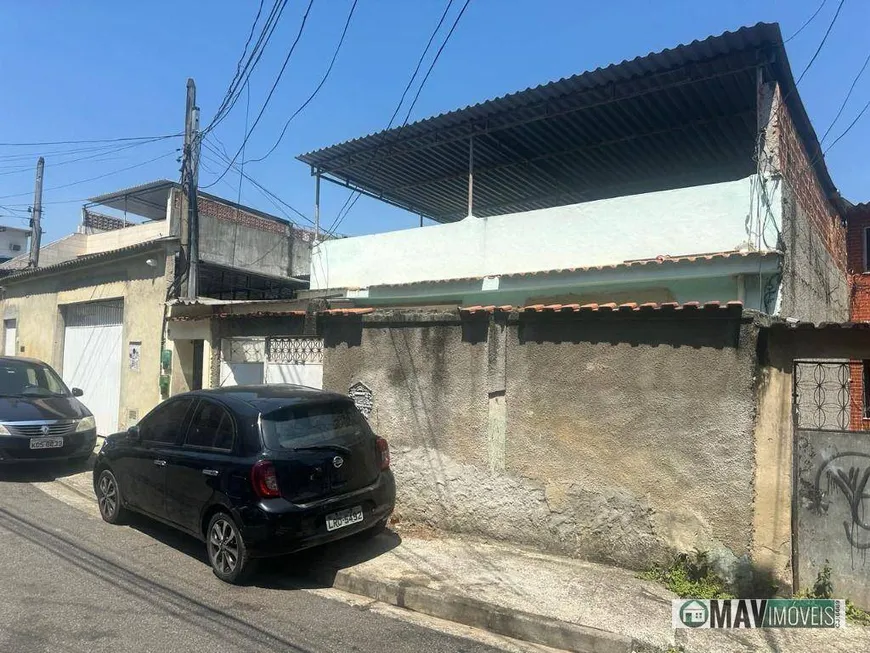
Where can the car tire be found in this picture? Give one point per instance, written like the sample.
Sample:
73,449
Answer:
109,497
226,549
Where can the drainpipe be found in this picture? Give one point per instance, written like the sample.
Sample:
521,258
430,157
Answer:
471,176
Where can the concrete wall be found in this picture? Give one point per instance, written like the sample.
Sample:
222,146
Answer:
707,218
10,238
37,303
618,440
118,238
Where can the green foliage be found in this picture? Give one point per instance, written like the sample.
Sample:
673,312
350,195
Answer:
690,576
823,588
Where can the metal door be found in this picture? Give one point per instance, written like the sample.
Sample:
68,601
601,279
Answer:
298,361
10,335
92,356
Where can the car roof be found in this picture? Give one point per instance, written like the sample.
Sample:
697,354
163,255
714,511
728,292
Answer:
267,398
23,359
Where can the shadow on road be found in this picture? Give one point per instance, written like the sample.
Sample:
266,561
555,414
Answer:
42,472
310,569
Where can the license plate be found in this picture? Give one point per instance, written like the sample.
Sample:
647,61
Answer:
344,518
46,443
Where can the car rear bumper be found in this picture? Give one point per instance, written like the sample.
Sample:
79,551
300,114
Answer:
277,527
14,450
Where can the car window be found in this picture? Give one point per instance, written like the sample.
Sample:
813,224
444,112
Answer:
283,429
164,422
211,428
25,378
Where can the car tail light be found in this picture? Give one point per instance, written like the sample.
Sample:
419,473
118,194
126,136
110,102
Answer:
264,480
384,451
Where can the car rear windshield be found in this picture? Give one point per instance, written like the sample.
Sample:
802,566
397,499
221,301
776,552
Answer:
27,379
300,426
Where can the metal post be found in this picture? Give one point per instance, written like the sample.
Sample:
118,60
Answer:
36,216
316,205
470,175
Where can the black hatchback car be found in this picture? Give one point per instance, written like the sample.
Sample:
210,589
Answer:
253,471
40,418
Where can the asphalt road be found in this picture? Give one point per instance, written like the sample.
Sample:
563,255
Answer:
70,582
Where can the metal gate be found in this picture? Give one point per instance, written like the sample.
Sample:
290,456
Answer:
92,355
831,472
272,359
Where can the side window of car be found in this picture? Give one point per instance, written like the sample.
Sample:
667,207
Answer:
163,423
211,428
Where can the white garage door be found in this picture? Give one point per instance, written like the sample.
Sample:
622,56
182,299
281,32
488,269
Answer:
11,332
92,354
272,359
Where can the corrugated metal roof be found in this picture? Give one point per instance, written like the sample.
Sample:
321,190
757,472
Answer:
679,117
654,262
711,307
89,259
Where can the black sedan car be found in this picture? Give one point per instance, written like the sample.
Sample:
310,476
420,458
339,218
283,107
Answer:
40,418
253,471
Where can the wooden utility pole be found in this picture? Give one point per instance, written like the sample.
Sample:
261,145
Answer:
189,182
36,216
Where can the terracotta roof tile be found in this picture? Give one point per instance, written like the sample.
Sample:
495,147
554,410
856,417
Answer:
347,311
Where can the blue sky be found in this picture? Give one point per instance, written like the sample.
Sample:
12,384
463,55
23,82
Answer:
99,69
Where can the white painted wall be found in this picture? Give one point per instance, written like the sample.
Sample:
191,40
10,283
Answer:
10,239
118,238
696,220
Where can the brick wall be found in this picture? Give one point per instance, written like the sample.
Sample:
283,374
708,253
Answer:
859,304
801,178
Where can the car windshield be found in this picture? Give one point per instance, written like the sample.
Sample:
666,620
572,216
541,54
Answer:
26,379
303,426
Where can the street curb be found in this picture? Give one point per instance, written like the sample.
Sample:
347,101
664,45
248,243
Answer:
524,626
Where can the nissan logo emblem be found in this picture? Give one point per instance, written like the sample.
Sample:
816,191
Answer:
337,462
45,429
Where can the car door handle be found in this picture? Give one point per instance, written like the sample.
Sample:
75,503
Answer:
160,463
210,472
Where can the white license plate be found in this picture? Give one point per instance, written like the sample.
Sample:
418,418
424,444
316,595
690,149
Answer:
344,518
46,443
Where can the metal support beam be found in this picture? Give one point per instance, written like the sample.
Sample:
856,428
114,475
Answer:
470,176
316,205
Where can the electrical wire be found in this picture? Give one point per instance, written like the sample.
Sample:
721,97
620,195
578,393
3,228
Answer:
99,140
808,21
255,183
108,174
348,205
849,128
269,96
234,90
822,44
316,89
846,100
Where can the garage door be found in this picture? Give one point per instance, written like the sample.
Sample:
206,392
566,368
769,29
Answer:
92,354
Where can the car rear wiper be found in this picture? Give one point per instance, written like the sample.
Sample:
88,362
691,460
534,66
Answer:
323,447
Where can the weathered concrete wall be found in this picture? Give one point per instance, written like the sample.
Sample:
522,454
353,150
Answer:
38,303
618,440
832,524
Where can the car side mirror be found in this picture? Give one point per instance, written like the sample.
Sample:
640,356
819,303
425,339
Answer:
77,392
133,433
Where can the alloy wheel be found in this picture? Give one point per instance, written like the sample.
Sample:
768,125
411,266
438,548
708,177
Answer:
108,498
223,546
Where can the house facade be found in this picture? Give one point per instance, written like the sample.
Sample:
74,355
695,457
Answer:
96,307
688,175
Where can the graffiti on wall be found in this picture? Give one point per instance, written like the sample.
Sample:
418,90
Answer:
844,477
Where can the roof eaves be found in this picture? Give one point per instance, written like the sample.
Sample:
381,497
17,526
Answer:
89,259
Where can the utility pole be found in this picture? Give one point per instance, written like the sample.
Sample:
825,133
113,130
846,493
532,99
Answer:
36,216
189,182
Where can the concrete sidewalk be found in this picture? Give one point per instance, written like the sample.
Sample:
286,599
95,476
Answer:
559,602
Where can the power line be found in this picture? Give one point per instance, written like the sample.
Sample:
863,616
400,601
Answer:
317,88
239,80
352,198
822,44
108,174
809,20
99,140
849,128
848,95
256,184
340,218
269,96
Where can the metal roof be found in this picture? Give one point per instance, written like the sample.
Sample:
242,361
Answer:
680,117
